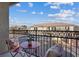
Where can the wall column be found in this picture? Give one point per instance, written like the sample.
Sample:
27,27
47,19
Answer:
4,21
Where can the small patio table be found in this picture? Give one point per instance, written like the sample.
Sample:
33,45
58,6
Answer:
34,45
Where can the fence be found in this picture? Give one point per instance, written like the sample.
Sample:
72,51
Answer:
69,40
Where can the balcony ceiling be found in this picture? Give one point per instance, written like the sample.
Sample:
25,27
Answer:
12,3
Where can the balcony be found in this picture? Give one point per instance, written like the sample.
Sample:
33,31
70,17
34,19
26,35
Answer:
68,40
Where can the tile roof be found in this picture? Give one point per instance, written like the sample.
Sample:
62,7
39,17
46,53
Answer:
53,24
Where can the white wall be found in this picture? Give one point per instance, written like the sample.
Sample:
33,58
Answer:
71,28
76,28
42,28
32,28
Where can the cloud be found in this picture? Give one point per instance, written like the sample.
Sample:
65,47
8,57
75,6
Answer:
33,12
65,3
58,3
41,13
30,4
50,15
51,5
18,5
64,15
48,3
22,10
71,3
54,7
77,14
38,13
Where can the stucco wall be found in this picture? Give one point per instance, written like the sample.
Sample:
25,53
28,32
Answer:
3,26
76,28
71,28
42,28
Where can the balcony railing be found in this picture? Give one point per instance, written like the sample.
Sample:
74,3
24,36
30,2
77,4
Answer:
69,40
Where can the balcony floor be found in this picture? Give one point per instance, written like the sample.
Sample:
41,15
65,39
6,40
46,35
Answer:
9,55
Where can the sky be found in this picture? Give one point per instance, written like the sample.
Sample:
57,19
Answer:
30,13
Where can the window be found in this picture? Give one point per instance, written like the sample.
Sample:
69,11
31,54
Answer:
35,28
53,28
48,28
67,28
60,28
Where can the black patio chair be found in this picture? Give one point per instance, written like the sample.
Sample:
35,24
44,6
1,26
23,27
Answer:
14,50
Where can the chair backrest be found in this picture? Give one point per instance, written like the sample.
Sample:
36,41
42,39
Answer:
11,45
55,51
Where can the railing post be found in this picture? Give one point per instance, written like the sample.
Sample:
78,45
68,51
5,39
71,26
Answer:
66,48
76,47
36,41
36,34
66,45
50,39
14,33
71,48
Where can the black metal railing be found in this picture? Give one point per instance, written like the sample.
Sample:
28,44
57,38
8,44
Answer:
69,40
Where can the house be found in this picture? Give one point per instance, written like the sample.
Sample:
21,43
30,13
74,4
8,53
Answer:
55,26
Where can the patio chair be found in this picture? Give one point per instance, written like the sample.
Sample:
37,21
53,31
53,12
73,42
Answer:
55,51
14,49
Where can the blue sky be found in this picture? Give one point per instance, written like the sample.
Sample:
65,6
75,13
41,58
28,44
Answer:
29,13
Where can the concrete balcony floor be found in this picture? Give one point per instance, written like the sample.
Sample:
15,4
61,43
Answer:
7,54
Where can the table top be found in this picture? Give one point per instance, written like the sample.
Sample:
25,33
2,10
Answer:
34,44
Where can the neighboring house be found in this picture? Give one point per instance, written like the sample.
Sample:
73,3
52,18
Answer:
55,26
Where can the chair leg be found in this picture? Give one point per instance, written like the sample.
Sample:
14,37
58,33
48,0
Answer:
14,54
22,54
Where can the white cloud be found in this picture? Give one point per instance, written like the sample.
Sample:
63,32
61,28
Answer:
59,3
71,3
18,5
22,10
64,15
33,12
70,19
30,4
48,3
54,7
38,13
76,16
41,13
50,15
